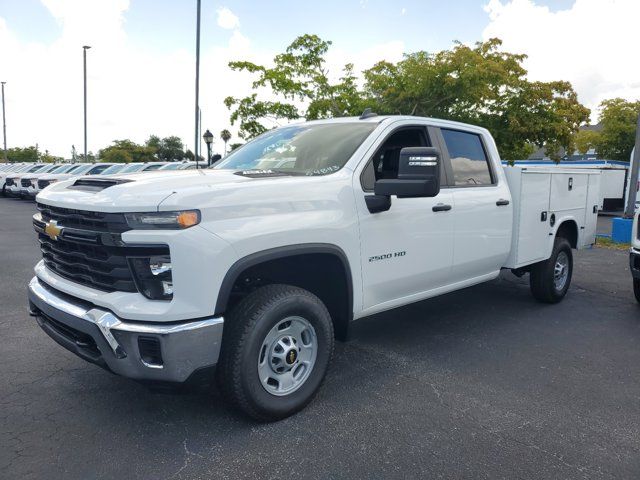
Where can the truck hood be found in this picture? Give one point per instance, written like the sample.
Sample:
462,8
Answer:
143,191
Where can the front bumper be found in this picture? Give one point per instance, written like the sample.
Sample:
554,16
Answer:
634,262
138,350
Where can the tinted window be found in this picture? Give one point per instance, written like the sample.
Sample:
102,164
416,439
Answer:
96,170
151,168
468,158
385,162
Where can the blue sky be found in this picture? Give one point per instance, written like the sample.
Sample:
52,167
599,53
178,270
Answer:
169,24
141,62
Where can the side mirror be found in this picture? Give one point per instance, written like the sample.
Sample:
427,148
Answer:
418,174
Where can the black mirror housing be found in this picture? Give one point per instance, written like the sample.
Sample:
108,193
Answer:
418,174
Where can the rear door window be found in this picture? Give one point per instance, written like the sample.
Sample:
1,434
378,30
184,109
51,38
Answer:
468,158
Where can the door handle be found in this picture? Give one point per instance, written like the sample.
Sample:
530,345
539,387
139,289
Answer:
502,202
441,207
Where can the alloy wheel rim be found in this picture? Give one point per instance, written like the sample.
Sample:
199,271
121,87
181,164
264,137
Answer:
561,271
287,355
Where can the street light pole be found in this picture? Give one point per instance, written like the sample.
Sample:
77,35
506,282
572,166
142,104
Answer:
4,125
84,61
208,138
197,139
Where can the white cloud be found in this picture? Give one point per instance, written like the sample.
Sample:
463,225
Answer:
591,44
133,92
403,11
227,19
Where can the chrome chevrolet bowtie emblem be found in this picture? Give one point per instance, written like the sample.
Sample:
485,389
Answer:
52,229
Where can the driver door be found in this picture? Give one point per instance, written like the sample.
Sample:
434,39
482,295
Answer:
406,251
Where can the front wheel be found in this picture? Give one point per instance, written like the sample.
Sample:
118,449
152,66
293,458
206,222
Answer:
276,349
550,280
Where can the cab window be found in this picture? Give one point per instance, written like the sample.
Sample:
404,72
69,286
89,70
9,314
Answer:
469,160
384,163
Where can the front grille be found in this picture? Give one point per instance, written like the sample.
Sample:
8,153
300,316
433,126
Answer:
9,182
43,184
82,219
89,250
25,182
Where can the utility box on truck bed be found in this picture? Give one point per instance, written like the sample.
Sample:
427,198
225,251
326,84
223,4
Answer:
543,198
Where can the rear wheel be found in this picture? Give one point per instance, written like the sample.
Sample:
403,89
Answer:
550,280
636,288
276,349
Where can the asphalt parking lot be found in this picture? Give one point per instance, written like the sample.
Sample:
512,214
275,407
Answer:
481,383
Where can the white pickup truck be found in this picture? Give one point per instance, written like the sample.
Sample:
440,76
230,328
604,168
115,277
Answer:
162,276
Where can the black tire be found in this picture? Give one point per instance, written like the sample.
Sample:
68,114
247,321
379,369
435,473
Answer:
542,277
245,330
636,288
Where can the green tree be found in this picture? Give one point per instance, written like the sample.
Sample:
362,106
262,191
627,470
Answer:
618,119
125,151
167,149
477,84
233,146
586,140
90,157
298,76
225,135
484,86
26,154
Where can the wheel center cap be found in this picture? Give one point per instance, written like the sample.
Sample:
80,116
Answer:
292,356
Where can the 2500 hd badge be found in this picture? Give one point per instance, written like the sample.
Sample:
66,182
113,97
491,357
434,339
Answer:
386,256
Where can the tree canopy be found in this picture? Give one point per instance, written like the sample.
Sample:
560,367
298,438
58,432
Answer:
477,84
618,119
26,154
126,151
167,149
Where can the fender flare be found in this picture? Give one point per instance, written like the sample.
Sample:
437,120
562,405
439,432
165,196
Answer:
257,258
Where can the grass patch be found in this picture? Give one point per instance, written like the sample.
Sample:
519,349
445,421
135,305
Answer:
603,242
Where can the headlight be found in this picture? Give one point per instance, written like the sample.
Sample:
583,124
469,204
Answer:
163,220
153,276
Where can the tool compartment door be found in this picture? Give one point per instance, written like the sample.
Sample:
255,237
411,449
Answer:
591,211
533,228
568,191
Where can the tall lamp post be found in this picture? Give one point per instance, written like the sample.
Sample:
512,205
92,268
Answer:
84,62
208,139
4,125
197,133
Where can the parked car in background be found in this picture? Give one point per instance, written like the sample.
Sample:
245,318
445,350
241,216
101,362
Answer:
13,170
180,166
13,182
80,170
122,168
44,179
29,182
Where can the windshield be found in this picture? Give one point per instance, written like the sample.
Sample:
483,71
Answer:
305,149
66,168
170,166
150,168
56,169
134,167
83,169
114,169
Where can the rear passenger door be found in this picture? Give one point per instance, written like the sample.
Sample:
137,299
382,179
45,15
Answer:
482,210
